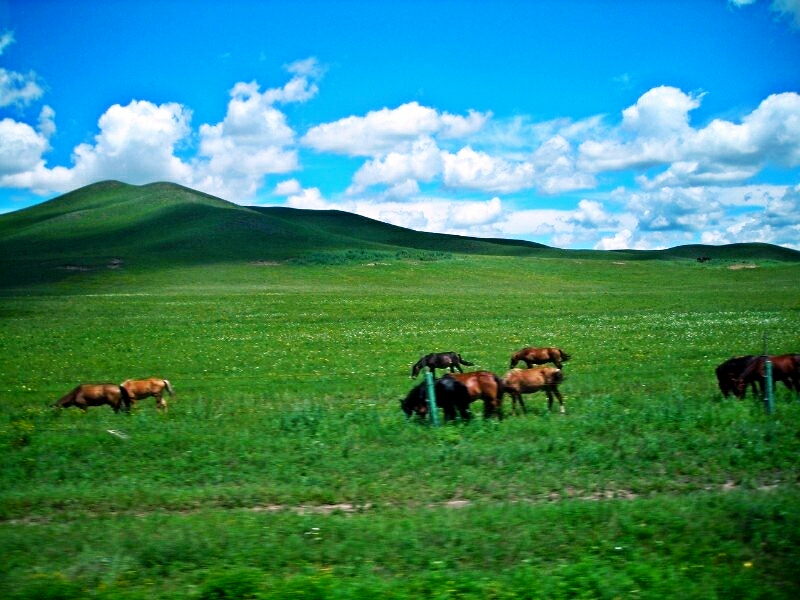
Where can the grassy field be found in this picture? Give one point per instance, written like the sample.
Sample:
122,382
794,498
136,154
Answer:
285,468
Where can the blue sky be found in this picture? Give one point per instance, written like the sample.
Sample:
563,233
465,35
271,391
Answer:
578,124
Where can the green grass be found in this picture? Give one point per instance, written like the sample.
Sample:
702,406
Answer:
284,467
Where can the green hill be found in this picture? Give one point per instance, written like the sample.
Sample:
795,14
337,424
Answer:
112,224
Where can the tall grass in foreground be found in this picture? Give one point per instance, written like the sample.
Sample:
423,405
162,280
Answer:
285,468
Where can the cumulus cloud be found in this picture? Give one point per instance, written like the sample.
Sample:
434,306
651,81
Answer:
656,132
421,162
383,131
253,140
142,142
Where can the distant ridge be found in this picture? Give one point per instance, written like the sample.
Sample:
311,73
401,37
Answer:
162,223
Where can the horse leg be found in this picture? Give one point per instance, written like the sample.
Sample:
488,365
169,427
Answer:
560,398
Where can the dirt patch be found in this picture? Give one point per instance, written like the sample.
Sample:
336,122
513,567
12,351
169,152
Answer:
743,266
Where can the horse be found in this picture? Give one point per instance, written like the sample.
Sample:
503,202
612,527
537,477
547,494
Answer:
143,388
539,356
730,371
95,394
451,396
527,381
439,360
785,368
482,385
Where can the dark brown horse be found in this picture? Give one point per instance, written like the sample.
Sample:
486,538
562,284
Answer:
729,372
451,396
527,381
144,388
785,368
482,385
539,356
95,394
439,360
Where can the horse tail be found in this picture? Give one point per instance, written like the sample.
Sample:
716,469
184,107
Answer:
418,366
167,384
67,398
501,387
558,376
564,356
126,397
463,362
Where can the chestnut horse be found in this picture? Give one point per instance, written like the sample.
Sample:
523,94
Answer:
785,368
95,394
482,385
143,388
439,360
527,381
729,372
451,396
539,356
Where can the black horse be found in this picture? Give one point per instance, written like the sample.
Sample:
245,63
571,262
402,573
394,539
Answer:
451,396
440,360
730,373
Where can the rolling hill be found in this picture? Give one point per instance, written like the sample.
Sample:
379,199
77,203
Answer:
164,223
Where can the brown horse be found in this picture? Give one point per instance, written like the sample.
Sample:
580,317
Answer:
95,394
144,388
527,381
539,356
729,372
482,385
439,360
785,368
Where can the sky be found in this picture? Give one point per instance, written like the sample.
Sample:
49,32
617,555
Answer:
640,124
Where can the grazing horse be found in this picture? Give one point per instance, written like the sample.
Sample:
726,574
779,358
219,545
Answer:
95,394
439,360
527,381
482,385
539,356
785,368
451,396
143,388
731,370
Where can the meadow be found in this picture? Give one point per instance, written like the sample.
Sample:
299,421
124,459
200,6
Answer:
284,467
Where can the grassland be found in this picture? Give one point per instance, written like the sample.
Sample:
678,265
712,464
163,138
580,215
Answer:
284,467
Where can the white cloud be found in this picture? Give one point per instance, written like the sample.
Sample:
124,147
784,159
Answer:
470,169
253,140
302,87
789,9
383,131
17,88
141,142
421,162
655,132
310,198
287,188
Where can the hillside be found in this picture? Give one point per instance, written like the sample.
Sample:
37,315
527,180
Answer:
113,224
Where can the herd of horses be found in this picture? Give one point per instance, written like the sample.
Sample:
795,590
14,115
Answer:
124,395
454,392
